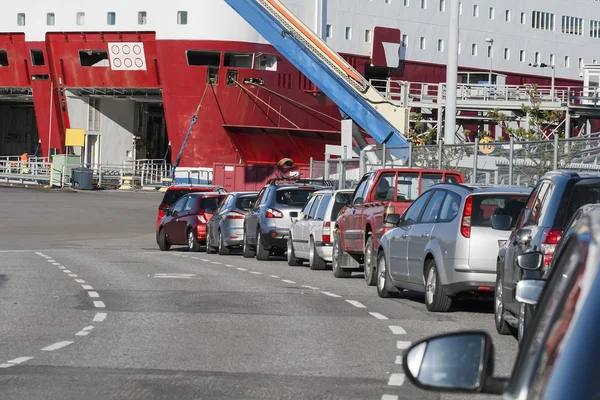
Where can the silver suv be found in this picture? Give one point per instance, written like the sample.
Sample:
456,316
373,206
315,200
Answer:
444,244
267,225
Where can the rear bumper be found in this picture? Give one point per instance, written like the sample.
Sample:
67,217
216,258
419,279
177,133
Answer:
233,236
325,251
479,282
276,238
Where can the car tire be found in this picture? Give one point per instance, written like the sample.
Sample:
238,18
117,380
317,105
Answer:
315,261
223,250
435,298
338,270
502,326
163,242
291,255
525,315
370,268
262,254
209,248
247,251
193,244
385,288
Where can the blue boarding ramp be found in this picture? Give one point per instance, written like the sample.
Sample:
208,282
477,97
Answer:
355,97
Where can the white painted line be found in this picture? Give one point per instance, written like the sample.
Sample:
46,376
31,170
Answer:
403,345
378,316
57,346
205,260
356,304
79,281
40,254
310,287
331,294
216,263
87,287
88,328
66,271
287,281
397,330
256,272
94,295
396,380
6,365
73,275
56,263
398,360
274,276
99,317
99,304
242,269
19,360
389,397
174,275
82,333
230,266
61,267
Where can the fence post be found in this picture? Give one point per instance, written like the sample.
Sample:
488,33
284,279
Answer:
555,164
440,150
362,168
326,167
510,160
383,160
475,154
341,173
310,170
410,148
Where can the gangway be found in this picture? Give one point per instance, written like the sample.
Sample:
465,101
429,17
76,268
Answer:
385,121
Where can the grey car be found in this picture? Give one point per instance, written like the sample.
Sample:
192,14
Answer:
444,244
225,229
267,225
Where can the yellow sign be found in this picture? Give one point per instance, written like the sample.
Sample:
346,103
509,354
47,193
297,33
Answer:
486,148
75,137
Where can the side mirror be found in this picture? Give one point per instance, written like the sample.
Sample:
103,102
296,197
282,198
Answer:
392,219
460,361
501,222
530,261
529,291
339,198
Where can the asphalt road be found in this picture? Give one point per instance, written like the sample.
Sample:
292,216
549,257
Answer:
90,309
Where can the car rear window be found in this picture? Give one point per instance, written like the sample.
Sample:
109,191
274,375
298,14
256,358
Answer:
210,203
293,197
243,202
171,196
339,204
484,206
586,191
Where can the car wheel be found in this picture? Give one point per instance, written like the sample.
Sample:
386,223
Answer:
261,253
223,250
338,270
291,255
370,269
502,326
193,244
315,261
525,315
209,248
247,251
435,298
163,243
385,288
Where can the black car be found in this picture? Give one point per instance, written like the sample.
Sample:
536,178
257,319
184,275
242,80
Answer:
539,228
558,358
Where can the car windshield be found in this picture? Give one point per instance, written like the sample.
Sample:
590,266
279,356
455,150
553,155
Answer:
243,202
293,197
210,204
586,191
484,206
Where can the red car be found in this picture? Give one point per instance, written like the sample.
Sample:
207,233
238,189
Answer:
175,192
185,222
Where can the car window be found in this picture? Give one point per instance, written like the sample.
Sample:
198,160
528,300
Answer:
450,207
411,216
586,191
266,195
226,203
243,202
451,179
190,203
408,186
430,215
260,196
323,207
308,205
429,180
359,194
293,196
171,196
538,205
313,209
178,206
338,205
385,187
210,204
485,205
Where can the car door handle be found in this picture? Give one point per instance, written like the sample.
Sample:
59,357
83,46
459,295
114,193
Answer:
424,235
404,236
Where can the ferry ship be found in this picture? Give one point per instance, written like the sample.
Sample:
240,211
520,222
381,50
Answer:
133,74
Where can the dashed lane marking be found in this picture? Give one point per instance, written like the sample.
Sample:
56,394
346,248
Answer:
389,397
230,266
174,276
216,263
73,275
6,365
99,317
356,304
87,287
399,360
397,330
205,260
287,281
57,346
93,295
99,304
396,380
274,276
79,281
310,287
331,294
256,272
378,316
85,331
61,267
19,360
242,269
402,345
66,271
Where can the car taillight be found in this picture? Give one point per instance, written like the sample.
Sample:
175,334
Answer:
326,232
235,215
465,225
550,238
202,218
272,213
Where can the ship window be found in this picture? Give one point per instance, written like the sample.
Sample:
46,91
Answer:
182,17
37,57
203,58
93,58
423,4
50,19
491,13
580,63
406,3
267,62
442,5
523,18
572,25
368,36
422,43
404,42
567,62
348,33
474,49
142,18
522,55
3,58
238,60
111,18
507,54
80,18
595,29
440,45
507,15
490,52
460,8
476,10
551,59
542,20
329,31
538,57
21,19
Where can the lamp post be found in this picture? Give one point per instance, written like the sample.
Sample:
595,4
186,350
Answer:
452,73
491,55
544,65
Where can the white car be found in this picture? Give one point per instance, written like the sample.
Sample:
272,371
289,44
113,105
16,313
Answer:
310,236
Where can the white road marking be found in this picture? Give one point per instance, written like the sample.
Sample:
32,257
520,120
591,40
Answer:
174,276
61,267
99,317
378,316
6,365
389,397
57,346
331,294
310,287
397,330
51,261
216,263
66,271
73,275
19,360
242,269
256,272
205,260
84,331
402,345
287,281
56,263
15,251
87,287
99,304
274,276
79,281
396,380
40,254
356,304
94,295
230,266
399,360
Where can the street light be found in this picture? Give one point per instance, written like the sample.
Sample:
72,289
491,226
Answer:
544,65
491,55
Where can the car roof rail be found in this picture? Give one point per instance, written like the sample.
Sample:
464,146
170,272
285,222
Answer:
298,180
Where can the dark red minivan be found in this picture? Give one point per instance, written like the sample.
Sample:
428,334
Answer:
175,192
185,221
